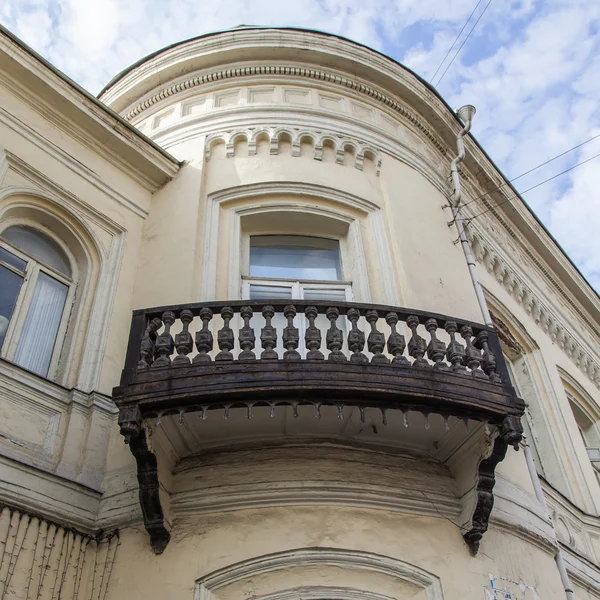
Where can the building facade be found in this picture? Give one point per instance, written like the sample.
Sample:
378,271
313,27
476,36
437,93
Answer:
255,343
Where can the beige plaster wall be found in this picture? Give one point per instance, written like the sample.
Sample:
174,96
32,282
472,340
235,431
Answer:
204,544
65,444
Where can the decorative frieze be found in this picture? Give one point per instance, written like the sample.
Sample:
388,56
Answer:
342,146
534,306
289,71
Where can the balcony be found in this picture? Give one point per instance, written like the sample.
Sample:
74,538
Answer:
343,355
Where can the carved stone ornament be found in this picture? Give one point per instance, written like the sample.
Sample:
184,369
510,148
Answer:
130,422
486,479
538,308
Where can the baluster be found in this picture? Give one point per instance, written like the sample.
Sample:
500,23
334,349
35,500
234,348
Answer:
246,337
455,353
356,338
268,335
416,345
225,337
436,348
147,345
396,342
488,360
291,335
183,340
334,336
204,338
164,346
376,340
472,355
312,337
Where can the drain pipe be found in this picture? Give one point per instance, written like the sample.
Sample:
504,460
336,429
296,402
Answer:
466,113
539,494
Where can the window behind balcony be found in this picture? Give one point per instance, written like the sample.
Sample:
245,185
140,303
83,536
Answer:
295,266
35,284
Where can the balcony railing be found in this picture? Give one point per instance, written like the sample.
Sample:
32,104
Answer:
272,353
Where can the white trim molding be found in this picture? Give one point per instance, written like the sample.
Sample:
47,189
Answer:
100,282
265,191
206,587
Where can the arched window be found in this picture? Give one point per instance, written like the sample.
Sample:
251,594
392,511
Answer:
36,285
588,425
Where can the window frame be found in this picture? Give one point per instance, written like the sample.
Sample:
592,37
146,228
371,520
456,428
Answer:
298,286
30,277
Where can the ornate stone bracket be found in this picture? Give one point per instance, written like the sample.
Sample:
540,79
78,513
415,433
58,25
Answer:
485,497
130,422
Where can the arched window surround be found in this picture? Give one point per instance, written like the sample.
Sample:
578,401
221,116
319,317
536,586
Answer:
69,221
207,587
350,212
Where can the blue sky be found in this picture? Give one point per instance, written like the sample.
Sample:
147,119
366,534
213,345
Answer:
531,67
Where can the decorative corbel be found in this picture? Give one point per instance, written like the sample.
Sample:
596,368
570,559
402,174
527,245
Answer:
511,431
485,497
130,422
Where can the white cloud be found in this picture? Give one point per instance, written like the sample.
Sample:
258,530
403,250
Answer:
531,67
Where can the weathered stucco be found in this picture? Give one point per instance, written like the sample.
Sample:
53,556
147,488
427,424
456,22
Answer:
272,508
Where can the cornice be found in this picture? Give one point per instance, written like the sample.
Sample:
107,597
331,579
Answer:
82,117
288,71
492,209
297,121
68,161
497,264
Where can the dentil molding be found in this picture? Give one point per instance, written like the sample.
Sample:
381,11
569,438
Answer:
516,286
294,71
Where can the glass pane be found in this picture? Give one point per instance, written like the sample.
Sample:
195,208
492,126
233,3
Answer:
10,259
38,245
295,257
38,336
10,285
270,292
324,294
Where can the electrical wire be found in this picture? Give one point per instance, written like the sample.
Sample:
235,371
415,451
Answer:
464,42
456,40
532,170
483,212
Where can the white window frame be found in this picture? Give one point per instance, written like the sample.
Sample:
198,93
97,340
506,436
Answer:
297,286
15,326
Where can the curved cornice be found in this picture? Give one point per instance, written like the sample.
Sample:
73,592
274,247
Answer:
288,71
241,46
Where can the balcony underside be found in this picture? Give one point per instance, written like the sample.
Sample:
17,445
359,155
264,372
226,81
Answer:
215,385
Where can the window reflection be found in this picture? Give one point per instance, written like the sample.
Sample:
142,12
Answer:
295,257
